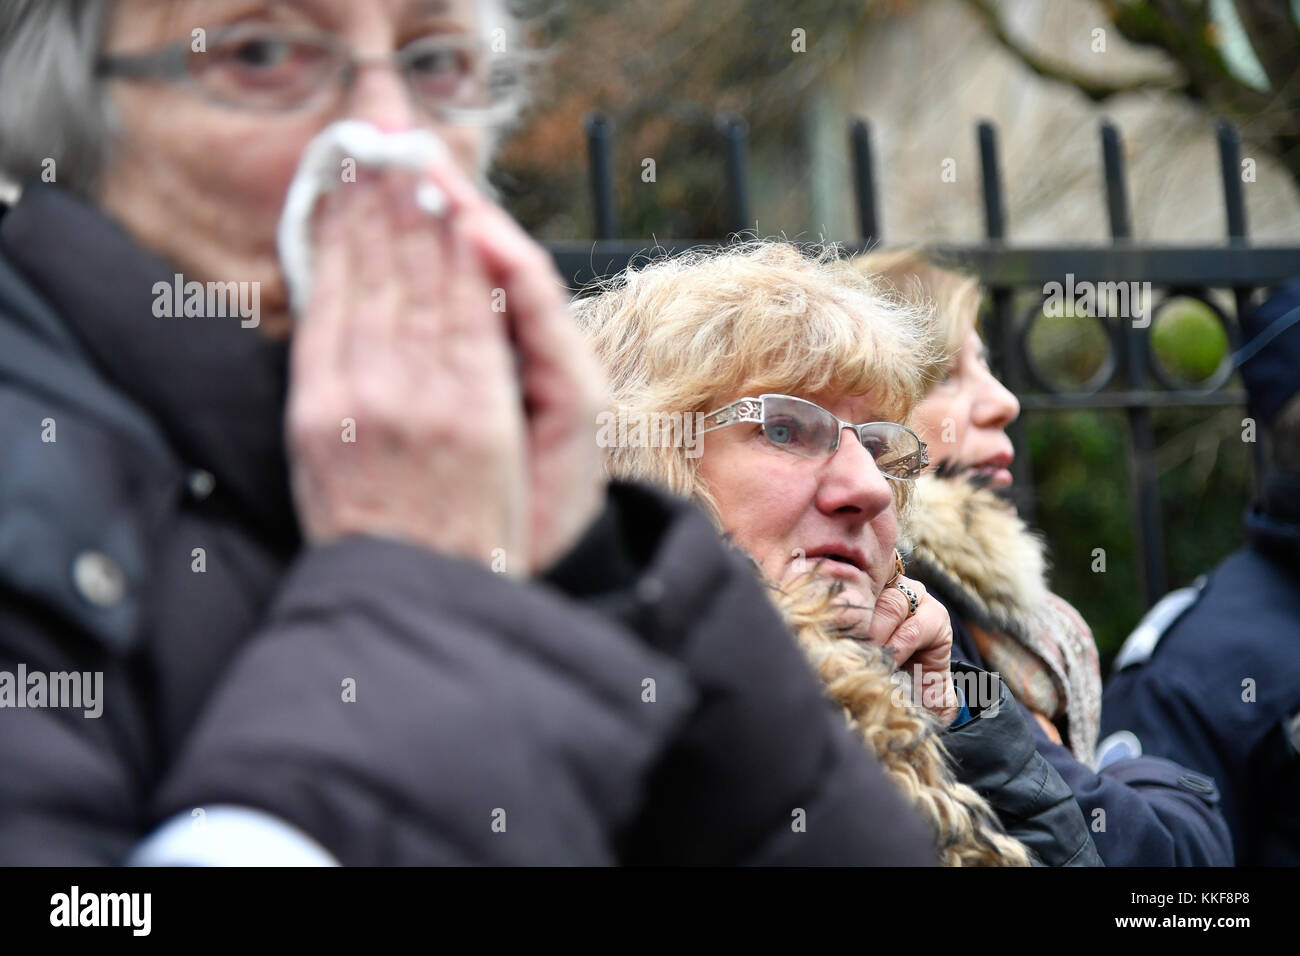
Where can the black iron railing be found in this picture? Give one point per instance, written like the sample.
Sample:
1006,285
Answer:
1128,380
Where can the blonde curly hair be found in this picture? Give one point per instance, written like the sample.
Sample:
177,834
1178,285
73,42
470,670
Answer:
915,275
906,740
688,333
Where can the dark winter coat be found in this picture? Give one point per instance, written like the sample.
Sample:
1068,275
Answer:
394,705
994,754
1213,681
989,797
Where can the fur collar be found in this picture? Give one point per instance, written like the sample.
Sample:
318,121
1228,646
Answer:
860,679
967,543
972,550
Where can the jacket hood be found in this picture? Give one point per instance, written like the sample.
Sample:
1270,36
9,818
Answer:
214,389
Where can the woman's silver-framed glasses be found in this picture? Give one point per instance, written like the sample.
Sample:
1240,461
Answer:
804,428
269,68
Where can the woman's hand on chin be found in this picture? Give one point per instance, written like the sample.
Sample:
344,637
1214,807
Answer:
922,640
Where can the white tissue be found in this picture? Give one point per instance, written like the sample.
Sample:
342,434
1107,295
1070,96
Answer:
321,169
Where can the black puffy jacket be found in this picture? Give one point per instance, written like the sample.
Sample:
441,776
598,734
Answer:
390,704
995,754
1153,812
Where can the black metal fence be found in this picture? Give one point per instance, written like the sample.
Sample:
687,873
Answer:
1128,380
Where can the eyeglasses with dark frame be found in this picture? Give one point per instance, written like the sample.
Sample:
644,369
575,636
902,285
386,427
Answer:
804,428
275,69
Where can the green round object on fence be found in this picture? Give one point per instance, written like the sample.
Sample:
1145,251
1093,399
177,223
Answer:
1188,341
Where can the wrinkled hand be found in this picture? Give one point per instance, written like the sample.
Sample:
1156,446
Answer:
471,396
563,385
924,640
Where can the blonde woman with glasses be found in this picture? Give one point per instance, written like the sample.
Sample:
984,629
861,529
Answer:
802,376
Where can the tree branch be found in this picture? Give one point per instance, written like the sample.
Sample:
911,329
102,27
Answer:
1093,87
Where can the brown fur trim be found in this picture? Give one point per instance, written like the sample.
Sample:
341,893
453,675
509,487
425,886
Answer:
972,550
974,544
906,740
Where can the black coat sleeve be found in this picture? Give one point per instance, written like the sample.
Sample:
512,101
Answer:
1146,811
398,706
404,707
995,754
655,712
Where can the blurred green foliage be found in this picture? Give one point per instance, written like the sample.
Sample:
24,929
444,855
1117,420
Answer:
1068,350
1084,495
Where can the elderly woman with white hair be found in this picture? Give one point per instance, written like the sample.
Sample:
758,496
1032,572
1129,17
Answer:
800,375
331,564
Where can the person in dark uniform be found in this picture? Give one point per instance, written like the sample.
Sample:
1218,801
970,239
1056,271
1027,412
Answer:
1211,677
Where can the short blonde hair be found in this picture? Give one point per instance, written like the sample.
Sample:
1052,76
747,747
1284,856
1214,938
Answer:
914,275
686,333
